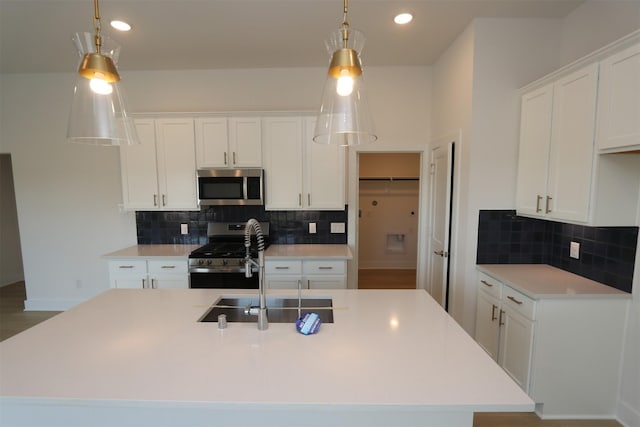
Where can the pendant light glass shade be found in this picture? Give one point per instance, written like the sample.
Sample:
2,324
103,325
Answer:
344,117
98,109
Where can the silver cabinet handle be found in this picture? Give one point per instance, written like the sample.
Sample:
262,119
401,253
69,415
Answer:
225,158
500,322
493,312
168,266
547,210
234,158
155,200
309,199
538,199
144,283
299,199
153,283
484,282
325,268
514,300
282,268
164,200
125,266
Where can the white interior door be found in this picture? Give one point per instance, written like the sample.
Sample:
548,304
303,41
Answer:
440,217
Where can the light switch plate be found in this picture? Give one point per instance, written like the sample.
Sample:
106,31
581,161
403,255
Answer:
337,227
312,228
184,228
574,250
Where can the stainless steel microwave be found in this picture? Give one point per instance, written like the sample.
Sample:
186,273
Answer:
231,186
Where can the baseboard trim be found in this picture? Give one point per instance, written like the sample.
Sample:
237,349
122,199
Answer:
50,304
627,415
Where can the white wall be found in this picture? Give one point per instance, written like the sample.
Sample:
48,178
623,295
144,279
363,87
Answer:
475,90
67,194
590,27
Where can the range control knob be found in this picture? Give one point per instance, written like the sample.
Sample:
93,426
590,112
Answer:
209,262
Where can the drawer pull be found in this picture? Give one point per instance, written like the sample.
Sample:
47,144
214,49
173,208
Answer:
514,300
125,266
538,198
282,268
500,322
493,312
325,268
168,266
484,282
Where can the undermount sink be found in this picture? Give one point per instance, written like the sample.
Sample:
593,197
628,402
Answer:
279,310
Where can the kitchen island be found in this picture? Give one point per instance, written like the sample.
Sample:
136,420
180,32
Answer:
140,357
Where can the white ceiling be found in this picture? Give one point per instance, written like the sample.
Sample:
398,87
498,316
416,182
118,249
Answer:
35,35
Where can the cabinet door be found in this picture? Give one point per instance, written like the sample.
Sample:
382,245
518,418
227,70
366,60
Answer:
327,282
245,142
516,342
533,156
211,142
176,164
283,162
169,281
284,282
128,274
619,101
139,170
487,326
572,144
324,185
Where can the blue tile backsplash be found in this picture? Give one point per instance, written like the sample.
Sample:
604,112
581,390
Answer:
287,227
607,254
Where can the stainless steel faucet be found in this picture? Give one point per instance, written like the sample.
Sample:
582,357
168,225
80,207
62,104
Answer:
261,311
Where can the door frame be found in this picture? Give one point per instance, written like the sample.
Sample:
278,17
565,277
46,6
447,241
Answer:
353,174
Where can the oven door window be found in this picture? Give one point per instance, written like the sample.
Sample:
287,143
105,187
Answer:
221,188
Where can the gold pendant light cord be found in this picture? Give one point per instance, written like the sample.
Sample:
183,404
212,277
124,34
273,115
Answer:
345,24
96,26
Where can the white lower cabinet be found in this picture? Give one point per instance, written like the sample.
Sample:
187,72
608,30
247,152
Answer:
312,274
564,352
149,274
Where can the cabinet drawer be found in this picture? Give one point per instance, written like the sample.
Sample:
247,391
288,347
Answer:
519,302
127,267
283,267
489,285
168,266
324,267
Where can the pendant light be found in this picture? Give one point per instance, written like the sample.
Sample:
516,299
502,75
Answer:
344,116
98,113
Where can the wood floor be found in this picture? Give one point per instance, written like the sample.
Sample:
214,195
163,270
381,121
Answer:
13,319
386,279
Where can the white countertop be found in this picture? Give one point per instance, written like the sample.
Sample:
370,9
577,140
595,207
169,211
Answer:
309,251
148,251
390,355
544,281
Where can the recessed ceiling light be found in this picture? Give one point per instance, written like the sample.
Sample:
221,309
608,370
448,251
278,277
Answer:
403,18
120,25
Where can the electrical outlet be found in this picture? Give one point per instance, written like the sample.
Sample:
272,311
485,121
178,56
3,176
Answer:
312,228
184,229
337,227
574,250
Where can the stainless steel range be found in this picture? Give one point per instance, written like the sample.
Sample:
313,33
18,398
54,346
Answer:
221,262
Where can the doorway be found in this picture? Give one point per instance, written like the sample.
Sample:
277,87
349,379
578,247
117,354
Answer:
11,268
442,161
388,215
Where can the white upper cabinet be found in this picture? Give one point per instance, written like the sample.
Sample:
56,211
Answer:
571,148
619,102
535,137
556,147
233,142
300,174
159,173
562,174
